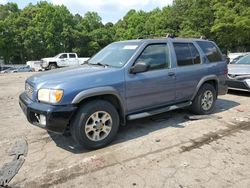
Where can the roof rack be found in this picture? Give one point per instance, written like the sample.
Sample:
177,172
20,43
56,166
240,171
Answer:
168,35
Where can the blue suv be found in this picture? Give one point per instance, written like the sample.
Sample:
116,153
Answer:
126,80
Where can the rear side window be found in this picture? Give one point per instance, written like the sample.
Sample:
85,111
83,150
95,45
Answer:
211,51
195,54
186,54
72,55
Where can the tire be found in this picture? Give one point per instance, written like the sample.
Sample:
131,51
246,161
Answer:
204,101
90,122
52,66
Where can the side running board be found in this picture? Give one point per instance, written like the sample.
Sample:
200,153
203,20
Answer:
158,111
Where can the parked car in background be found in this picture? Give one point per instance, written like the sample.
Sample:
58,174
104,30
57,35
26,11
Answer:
36,65
237,58
239,74
233,56
8,70
18,69
26,68
125,81
62,60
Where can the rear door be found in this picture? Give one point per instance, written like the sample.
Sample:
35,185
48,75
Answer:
73,61
189,70
215,63
153,88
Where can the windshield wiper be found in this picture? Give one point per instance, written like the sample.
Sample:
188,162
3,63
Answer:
102,64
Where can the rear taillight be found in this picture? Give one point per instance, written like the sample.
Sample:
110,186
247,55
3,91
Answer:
226,71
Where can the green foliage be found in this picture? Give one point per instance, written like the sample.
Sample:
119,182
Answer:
45,29
232,24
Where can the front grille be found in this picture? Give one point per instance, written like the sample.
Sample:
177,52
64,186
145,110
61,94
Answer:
29,90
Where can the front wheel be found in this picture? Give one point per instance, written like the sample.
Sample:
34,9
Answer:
52,66
95,124
204,101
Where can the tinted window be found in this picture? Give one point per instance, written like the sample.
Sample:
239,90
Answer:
63,56
210,50
244,60
156,55
195,54
72,55
183,54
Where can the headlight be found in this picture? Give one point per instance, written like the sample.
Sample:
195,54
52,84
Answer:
50,95
248,82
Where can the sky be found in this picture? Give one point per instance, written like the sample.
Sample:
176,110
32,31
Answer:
109,10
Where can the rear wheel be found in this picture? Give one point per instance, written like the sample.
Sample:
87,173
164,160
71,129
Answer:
95,124
204,101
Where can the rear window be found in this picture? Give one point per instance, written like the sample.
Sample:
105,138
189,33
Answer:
211,51
186,54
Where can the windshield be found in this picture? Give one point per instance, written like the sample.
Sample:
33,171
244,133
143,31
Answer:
236,59
244,60
115,54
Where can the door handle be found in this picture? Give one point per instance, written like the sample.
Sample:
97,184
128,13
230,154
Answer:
171,74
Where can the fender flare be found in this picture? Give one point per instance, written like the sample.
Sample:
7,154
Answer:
94,92
52,62
202,81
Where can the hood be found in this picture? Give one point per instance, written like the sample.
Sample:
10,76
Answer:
238,69
48,59
69,76
76,79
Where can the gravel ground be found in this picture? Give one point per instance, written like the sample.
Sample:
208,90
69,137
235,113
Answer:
162,151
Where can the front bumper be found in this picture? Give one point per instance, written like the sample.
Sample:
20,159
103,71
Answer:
240,85
57,118
44,65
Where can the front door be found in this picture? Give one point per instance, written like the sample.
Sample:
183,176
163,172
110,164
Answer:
63,60
155,87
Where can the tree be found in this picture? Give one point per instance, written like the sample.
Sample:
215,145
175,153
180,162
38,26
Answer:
232,24
45,29
8,30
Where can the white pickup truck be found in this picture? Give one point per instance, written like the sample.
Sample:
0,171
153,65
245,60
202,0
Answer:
62,60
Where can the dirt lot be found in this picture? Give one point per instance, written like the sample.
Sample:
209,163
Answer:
163,151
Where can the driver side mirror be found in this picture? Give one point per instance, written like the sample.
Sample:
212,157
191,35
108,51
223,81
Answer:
139,67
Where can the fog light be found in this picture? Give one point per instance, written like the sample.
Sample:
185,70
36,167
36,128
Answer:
42,120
